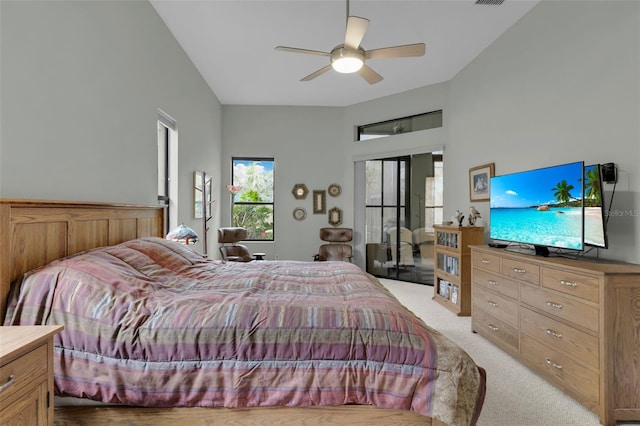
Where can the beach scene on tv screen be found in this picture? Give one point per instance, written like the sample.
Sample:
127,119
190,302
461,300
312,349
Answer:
593,218
539,207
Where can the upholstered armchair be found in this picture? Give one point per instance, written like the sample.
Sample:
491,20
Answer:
234,252
337,249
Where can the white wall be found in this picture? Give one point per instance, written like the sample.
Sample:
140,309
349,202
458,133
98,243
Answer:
81,86
562,85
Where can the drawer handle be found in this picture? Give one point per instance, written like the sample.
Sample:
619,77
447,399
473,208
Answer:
553,333
11,380
492,327
568,284
554,305
492,282
485,261
553,364
519,271
492,303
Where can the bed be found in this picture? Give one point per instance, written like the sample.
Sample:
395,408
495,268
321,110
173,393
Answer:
151,323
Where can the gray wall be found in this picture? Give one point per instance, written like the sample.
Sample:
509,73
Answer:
561,85
82,81
81,86
308,147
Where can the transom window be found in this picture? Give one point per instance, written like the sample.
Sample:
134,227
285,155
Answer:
428,120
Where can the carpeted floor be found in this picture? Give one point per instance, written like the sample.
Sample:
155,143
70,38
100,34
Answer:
515,395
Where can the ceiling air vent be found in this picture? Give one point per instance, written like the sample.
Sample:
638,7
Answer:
490,2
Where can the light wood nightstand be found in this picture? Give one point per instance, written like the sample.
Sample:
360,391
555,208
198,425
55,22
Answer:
26,374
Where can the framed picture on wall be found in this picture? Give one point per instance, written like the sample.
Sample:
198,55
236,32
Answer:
319,202
480,181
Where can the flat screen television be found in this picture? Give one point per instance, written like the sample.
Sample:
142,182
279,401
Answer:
541,208
595,231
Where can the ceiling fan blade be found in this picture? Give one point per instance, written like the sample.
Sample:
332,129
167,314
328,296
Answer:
370,75
404,51
317,73
356,27
305,51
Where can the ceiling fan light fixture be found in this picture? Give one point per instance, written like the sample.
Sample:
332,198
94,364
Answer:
347,61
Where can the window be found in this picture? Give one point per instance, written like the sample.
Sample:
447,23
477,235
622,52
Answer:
252,197
167,168
428,120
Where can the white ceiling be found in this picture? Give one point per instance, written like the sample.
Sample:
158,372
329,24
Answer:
232,44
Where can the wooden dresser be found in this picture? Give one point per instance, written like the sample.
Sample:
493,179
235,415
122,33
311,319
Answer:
574,322
26,374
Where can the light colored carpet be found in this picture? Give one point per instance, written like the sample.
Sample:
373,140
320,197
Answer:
515,395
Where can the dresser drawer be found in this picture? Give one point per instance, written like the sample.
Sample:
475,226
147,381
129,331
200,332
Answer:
578,380
490,262
560,305
28,368
525,271
500,307
582,286
499,332
583,347
496,283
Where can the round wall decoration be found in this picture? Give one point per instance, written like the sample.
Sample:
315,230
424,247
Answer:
334,190
299,213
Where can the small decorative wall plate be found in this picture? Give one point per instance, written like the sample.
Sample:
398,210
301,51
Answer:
300,191
299,213
334,190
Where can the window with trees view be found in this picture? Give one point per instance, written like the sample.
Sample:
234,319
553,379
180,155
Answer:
252,197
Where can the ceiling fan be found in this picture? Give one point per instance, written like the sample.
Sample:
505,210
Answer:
350,57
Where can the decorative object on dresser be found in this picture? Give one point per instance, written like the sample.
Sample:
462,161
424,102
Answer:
574,322
480,181
26,369
452,266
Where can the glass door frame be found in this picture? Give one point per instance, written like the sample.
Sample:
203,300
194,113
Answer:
401,207
361,227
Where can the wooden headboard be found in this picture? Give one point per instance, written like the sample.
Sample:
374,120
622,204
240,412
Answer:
36,232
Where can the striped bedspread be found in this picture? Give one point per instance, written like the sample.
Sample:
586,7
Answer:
151,323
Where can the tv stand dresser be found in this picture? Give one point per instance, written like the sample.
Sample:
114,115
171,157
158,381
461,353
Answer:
576,323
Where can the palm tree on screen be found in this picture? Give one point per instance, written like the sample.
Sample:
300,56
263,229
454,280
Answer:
592,186
562,191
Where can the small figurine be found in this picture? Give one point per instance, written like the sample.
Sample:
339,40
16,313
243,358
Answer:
458,217
474,215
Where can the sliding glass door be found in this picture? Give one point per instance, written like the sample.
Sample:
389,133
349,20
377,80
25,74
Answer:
400,209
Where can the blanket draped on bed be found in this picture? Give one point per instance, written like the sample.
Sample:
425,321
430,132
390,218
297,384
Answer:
151,323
